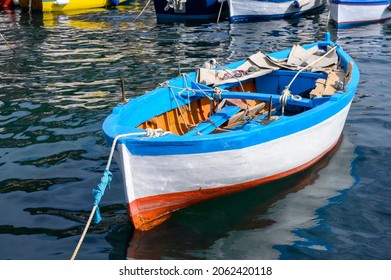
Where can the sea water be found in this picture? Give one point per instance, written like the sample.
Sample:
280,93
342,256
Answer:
65,78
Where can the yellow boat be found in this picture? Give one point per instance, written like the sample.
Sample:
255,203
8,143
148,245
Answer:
71,19
67,5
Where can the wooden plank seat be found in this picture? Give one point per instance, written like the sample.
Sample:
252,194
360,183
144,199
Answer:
214,121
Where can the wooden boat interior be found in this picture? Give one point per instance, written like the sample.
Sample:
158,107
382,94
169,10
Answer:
252,100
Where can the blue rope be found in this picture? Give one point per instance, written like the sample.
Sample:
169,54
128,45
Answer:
99,191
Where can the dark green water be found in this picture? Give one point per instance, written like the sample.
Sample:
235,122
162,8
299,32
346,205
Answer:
64,79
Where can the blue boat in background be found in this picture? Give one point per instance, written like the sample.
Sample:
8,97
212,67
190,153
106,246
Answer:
190,10
347,13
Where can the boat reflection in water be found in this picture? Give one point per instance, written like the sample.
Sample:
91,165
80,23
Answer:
68,5
72,19
88,19
246,225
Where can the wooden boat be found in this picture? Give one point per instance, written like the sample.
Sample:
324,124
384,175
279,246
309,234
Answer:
246,10
67,5
218,131
346,13
187,10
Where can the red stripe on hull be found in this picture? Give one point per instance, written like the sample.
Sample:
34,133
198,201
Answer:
148,212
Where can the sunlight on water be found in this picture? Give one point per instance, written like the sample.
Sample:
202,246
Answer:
65,78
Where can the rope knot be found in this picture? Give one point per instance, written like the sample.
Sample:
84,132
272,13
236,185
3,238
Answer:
286,93
217,93
155,133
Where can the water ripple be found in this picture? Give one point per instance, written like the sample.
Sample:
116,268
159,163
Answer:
65,78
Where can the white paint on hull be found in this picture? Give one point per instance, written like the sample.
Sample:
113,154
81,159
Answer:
153,175
351,13
262,8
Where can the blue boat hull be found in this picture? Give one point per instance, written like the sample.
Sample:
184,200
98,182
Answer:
191,10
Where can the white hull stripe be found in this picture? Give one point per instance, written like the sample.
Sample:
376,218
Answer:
146,176
241,9
351,13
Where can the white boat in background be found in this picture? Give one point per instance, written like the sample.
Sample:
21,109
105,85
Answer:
246,10
352,12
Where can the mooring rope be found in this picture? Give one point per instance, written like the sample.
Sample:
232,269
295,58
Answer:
84,233
328,20
99,190
287,93
203,91
7,43
221,8
146,5
310,64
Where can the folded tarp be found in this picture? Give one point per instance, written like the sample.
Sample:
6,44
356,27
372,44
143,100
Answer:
300,57
256,65
259,64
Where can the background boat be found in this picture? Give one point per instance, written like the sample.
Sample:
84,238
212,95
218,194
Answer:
353,12
245,10
66,5
190,10
63,82
6,4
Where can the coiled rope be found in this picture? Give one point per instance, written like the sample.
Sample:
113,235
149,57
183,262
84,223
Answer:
99,190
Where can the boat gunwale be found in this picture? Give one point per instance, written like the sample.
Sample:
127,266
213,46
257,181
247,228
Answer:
198,142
